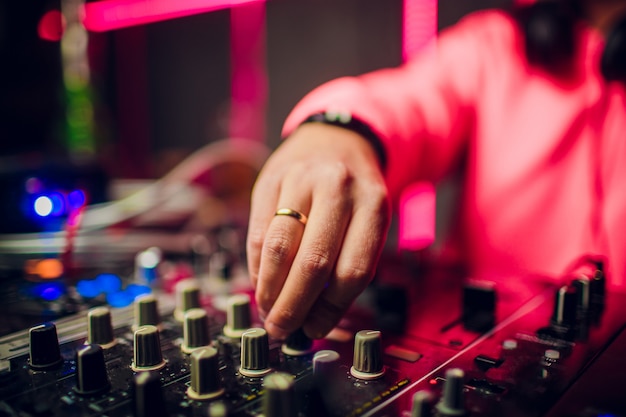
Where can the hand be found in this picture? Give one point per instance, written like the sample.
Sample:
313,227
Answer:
309,275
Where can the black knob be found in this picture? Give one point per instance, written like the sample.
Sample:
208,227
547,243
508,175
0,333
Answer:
255,353
423,404
91,372
238,318
452,402
206,383
297,344
100,328
146,311
187,297
278,400
147,350
149,398
368,355
195,330
45,352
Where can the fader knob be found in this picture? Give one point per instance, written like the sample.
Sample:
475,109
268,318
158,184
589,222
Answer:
149,398
237,315
91,372
368,355
147,350
278,400
423,404
44,347
255,353
195,330
206,383
187,297
297,344
100,328
452,402
146,311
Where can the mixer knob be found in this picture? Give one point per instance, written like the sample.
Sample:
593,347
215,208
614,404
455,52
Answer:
149,398
278,400
368,355
297,344
44,347
187,297
237,316
325,363
205,377
583,298
147,352
100,328
195,330
452,402
146,311
91,372
423,404
255,353
565,307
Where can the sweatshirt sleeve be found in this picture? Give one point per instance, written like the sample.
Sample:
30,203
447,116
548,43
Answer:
422,110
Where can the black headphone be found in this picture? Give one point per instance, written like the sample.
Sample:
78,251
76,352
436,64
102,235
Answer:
550,38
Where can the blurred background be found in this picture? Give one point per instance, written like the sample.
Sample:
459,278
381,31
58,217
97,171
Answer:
104,97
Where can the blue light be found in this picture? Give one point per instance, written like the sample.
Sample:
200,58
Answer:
88,288
76,199
135,290
58,204
109,283
49,291
120,299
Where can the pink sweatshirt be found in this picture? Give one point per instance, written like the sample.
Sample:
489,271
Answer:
545,157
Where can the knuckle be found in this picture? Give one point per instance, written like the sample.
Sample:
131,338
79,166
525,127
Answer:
339,177
316,263
277,247
357,273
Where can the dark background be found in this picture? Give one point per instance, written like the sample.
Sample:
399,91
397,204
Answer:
162,89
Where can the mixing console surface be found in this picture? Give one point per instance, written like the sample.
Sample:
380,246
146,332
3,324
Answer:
468,349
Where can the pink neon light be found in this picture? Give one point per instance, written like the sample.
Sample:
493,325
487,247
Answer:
248,72
416,222
115,14
419,25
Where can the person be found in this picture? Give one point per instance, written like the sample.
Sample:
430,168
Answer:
543,145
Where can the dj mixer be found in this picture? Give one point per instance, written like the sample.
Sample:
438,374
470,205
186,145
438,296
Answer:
419,342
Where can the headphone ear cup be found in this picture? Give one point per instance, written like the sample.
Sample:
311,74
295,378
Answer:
550,38
613,63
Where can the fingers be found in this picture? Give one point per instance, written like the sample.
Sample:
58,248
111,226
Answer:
282,240
316,255
262,208
354,268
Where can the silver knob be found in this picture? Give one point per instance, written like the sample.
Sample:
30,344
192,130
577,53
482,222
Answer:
100,328
238,318
195,330
368,355
206,383
147,352
255,353
187,297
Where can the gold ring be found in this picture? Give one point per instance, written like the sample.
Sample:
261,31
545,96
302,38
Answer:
292,213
